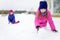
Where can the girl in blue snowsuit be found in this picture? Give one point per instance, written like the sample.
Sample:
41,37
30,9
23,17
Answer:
11,17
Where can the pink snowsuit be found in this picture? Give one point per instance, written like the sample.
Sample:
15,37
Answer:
42,20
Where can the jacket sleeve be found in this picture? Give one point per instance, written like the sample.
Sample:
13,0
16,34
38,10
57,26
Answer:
8,18
36,19
50,21
13,19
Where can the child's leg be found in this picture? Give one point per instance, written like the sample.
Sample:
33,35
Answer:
13,21
16,22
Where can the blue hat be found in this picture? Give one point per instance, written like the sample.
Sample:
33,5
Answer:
43,4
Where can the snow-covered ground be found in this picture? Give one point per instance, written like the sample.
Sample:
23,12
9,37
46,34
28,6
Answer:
25,30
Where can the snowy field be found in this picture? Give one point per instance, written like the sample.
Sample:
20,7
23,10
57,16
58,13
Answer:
25,30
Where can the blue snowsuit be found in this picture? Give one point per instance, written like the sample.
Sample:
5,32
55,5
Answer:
11,18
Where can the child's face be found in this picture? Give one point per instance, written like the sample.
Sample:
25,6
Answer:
11,13
43,10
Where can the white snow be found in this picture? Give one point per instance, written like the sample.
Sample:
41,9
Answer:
25,30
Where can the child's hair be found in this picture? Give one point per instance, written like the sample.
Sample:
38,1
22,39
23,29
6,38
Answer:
39,14
43,4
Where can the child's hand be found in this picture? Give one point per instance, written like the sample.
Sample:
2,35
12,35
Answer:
37,27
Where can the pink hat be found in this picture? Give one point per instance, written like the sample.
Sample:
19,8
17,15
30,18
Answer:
10,10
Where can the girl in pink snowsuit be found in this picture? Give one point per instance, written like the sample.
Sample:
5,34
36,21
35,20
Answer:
43,16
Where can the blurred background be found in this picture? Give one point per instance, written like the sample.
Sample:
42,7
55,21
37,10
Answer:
25,13
30,6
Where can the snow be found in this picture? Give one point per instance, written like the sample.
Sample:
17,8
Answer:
25,30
